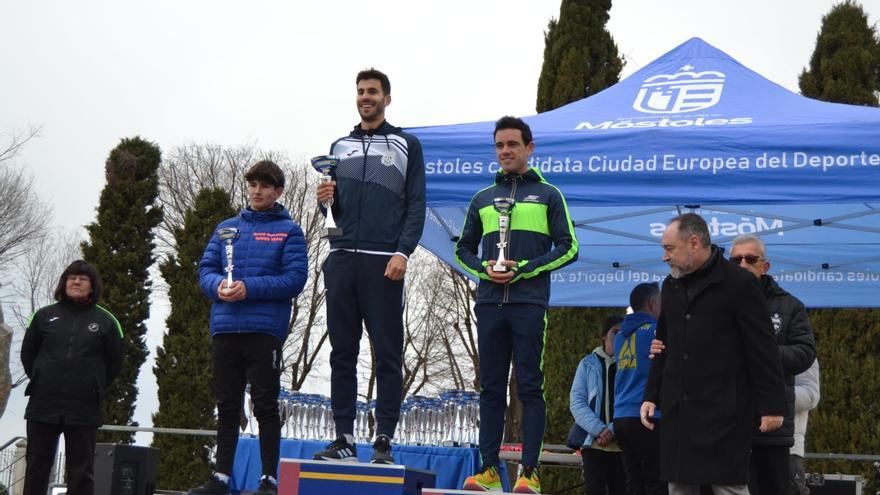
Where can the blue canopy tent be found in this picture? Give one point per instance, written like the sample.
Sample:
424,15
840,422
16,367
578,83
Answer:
693,131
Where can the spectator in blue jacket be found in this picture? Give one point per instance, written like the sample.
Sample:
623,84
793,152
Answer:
632,348
250,318
592,405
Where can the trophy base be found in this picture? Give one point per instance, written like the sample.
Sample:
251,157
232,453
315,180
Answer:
454,443
331,232
499,269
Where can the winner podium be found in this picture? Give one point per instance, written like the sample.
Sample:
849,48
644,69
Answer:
302,477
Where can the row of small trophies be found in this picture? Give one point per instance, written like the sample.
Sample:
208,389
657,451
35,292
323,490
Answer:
326,165
451,419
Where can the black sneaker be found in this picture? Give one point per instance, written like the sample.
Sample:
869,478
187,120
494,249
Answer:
267,487
382,450
339,450
212,487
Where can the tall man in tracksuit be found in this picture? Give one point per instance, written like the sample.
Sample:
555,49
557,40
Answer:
769,462
250,318
632,345
379,202
511,305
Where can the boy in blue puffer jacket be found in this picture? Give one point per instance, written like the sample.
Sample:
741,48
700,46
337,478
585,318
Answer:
632,345
250,318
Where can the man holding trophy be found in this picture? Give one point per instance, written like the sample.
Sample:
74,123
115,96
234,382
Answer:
522,227
373,193
253,267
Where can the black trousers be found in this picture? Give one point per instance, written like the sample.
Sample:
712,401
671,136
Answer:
239,359
768,470
358,293
79,447
641,456
517,331
603,472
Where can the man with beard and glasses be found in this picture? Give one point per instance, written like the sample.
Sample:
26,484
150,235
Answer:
769,473
378,195
720,365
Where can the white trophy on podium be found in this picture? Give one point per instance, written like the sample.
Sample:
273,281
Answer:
227,235
504,206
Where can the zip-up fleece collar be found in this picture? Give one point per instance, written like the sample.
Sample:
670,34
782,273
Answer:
383,130
530,175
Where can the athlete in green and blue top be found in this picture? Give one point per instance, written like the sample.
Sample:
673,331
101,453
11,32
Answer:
511,306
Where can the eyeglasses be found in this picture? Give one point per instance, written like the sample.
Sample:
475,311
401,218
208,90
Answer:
750,259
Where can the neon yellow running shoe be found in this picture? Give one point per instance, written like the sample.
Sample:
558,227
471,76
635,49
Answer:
487,480
528,481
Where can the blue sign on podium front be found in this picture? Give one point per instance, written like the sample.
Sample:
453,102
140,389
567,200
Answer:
302,477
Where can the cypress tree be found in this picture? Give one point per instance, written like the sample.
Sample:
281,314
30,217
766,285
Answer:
845,66
580,56
580,59
183,363
120,247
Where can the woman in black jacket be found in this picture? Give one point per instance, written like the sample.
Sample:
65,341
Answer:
71,351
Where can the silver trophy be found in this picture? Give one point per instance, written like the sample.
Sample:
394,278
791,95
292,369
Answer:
503,206
325,164
227,235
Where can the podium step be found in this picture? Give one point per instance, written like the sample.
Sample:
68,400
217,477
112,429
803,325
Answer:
306,477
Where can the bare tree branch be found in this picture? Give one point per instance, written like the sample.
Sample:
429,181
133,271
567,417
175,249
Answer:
23,217
15,141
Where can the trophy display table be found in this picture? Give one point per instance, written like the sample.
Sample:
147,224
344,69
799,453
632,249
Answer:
451,465
301,477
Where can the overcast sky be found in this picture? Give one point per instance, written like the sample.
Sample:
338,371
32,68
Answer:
281,74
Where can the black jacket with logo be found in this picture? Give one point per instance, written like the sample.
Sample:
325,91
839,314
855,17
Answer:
797,350
70,353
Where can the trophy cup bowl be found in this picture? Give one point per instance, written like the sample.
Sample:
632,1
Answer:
503,206
325,164
227,233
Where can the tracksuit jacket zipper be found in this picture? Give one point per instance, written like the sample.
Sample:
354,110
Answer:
365,145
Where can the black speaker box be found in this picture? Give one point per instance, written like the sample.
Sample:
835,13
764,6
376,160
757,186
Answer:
125,469
834,484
